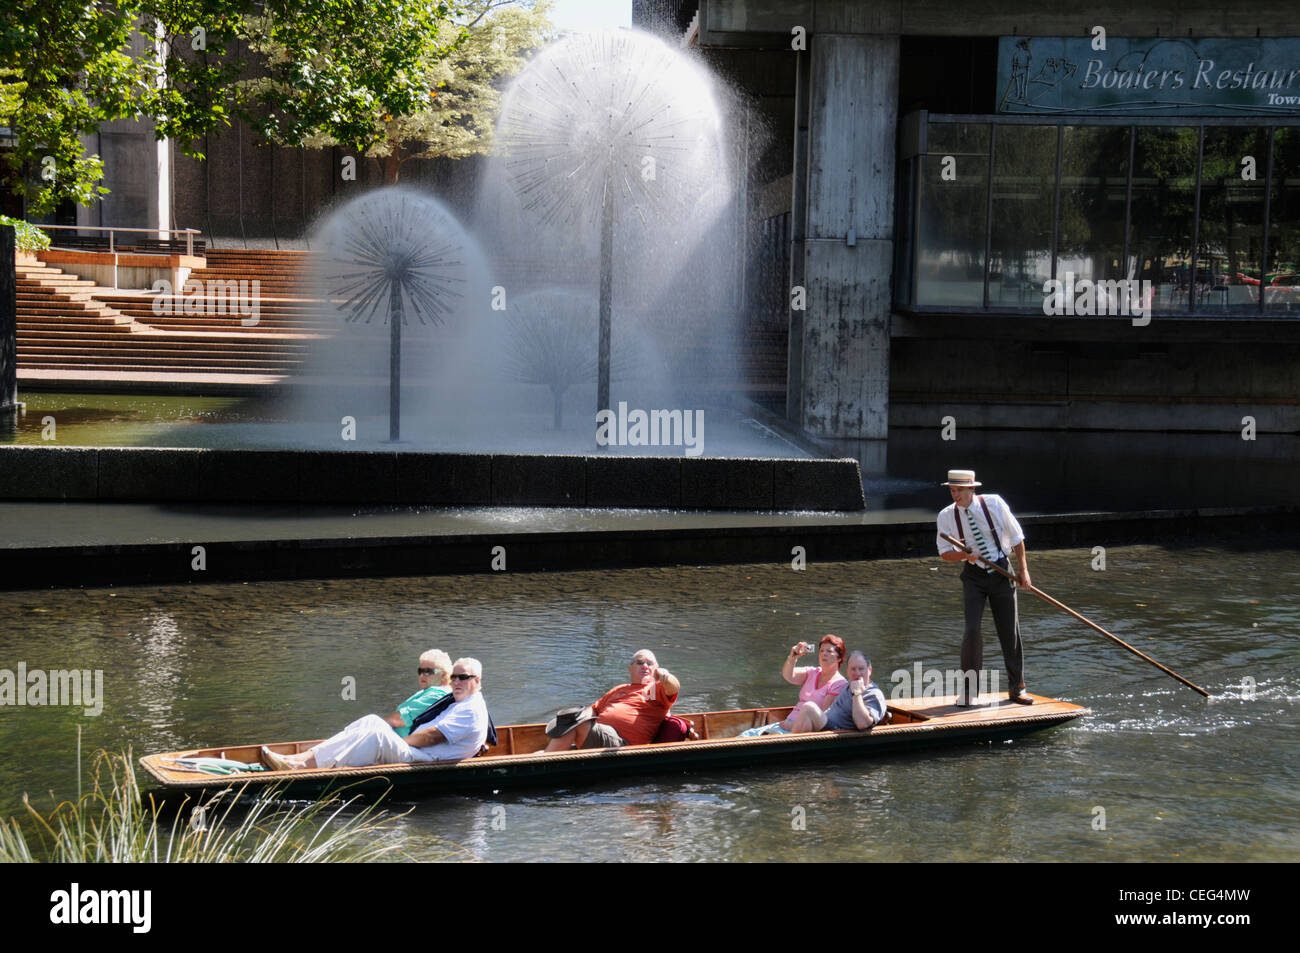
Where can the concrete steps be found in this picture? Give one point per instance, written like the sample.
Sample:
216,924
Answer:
70,324
45,293
281,273
46,355
273,314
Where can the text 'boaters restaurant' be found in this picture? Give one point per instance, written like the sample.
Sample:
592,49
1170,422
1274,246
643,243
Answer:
1036,216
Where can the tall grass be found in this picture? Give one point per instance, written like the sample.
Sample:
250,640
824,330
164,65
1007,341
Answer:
113,824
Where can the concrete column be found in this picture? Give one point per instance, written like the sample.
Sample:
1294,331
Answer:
849,244
163,199
8,324
798,235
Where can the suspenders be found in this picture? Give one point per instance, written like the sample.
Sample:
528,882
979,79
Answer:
961,534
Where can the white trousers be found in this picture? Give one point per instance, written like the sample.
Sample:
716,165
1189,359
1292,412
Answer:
368,740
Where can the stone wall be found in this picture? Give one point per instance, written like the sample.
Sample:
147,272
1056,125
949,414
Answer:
269,476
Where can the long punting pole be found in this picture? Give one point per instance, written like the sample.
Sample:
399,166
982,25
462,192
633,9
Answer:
1088,622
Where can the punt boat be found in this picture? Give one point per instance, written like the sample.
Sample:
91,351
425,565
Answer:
911,723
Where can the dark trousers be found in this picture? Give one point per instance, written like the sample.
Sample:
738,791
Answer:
979,586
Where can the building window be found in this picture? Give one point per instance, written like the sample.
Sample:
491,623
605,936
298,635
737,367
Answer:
1208,213
1163,212
1281,279
952,206
1024,186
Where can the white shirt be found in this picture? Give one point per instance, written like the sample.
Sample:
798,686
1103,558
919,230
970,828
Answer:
463,724
1009,532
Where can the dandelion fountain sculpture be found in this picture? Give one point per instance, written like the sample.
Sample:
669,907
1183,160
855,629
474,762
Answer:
606,123
387,254
547,346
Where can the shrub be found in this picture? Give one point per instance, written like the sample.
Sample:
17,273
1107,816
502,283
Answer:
29,237
113,824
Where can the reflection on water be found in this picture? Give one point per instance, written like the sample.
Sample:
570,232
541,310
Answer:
160,648
125,420
1177,777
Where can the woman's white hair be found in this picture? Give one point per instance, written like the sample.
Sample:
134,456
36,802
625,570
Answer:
440,660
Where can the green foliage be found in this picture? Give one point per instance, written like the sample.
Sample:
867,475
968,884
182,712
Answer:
342,68
65,69
112,824
197,46
29,238
335,68
466,85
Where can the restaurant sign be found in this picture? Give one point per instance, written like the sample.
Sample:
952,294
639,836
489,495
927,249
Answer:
1151,77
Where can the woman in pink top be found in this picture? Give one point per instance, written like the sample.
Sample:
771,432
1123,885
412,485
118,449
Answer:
818,685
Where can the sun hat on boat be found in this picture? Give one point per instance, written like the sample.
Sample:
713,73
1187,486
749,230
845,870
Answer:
566,719
961,478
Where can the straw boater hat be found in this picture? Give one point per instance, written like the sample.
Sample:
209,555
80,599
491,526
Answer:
961,478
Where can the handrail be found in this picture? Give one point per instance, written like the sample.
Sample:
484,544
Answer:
189,233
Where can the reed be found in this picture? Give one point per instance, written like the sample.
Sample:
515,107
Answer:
113,823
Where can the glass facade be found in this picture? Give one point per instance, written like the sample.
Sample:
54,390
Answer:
993,209
1020,241
1094,187
952,206
1281,279
1163,211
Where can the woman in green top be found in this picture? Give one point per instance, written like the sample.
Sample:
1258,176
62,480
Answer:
435,683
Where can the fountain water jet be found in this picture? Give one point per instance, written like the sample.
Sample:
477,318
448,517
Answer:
607,119
387,253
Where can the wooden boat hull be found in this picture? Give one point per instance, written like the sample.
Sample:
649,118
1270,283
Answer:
914,723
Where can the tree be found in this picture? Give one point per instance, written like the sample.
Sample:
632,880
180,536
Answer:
64,70
497,37
197,47
339,68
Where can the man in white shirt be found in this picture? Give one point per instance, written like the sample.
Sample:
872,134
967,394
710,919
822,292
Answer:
455,734
986,525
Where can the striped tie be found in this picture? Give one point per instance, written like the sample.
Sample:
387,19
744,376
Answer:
980,541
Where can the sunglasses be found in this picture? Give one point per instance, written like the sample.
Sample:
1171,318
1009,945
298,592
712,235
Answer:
427,671
458,677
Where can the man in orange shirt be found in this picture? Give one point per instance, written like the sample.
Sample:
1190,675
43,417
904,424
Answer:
625,715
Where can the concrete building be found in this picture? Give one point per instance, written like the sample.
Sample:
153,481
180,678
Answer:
935,167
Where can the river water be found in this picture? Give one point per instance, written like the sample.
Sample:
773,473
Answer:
1154,773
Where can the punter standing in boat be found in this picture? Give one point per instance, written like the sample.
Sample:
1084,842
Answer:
986,525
